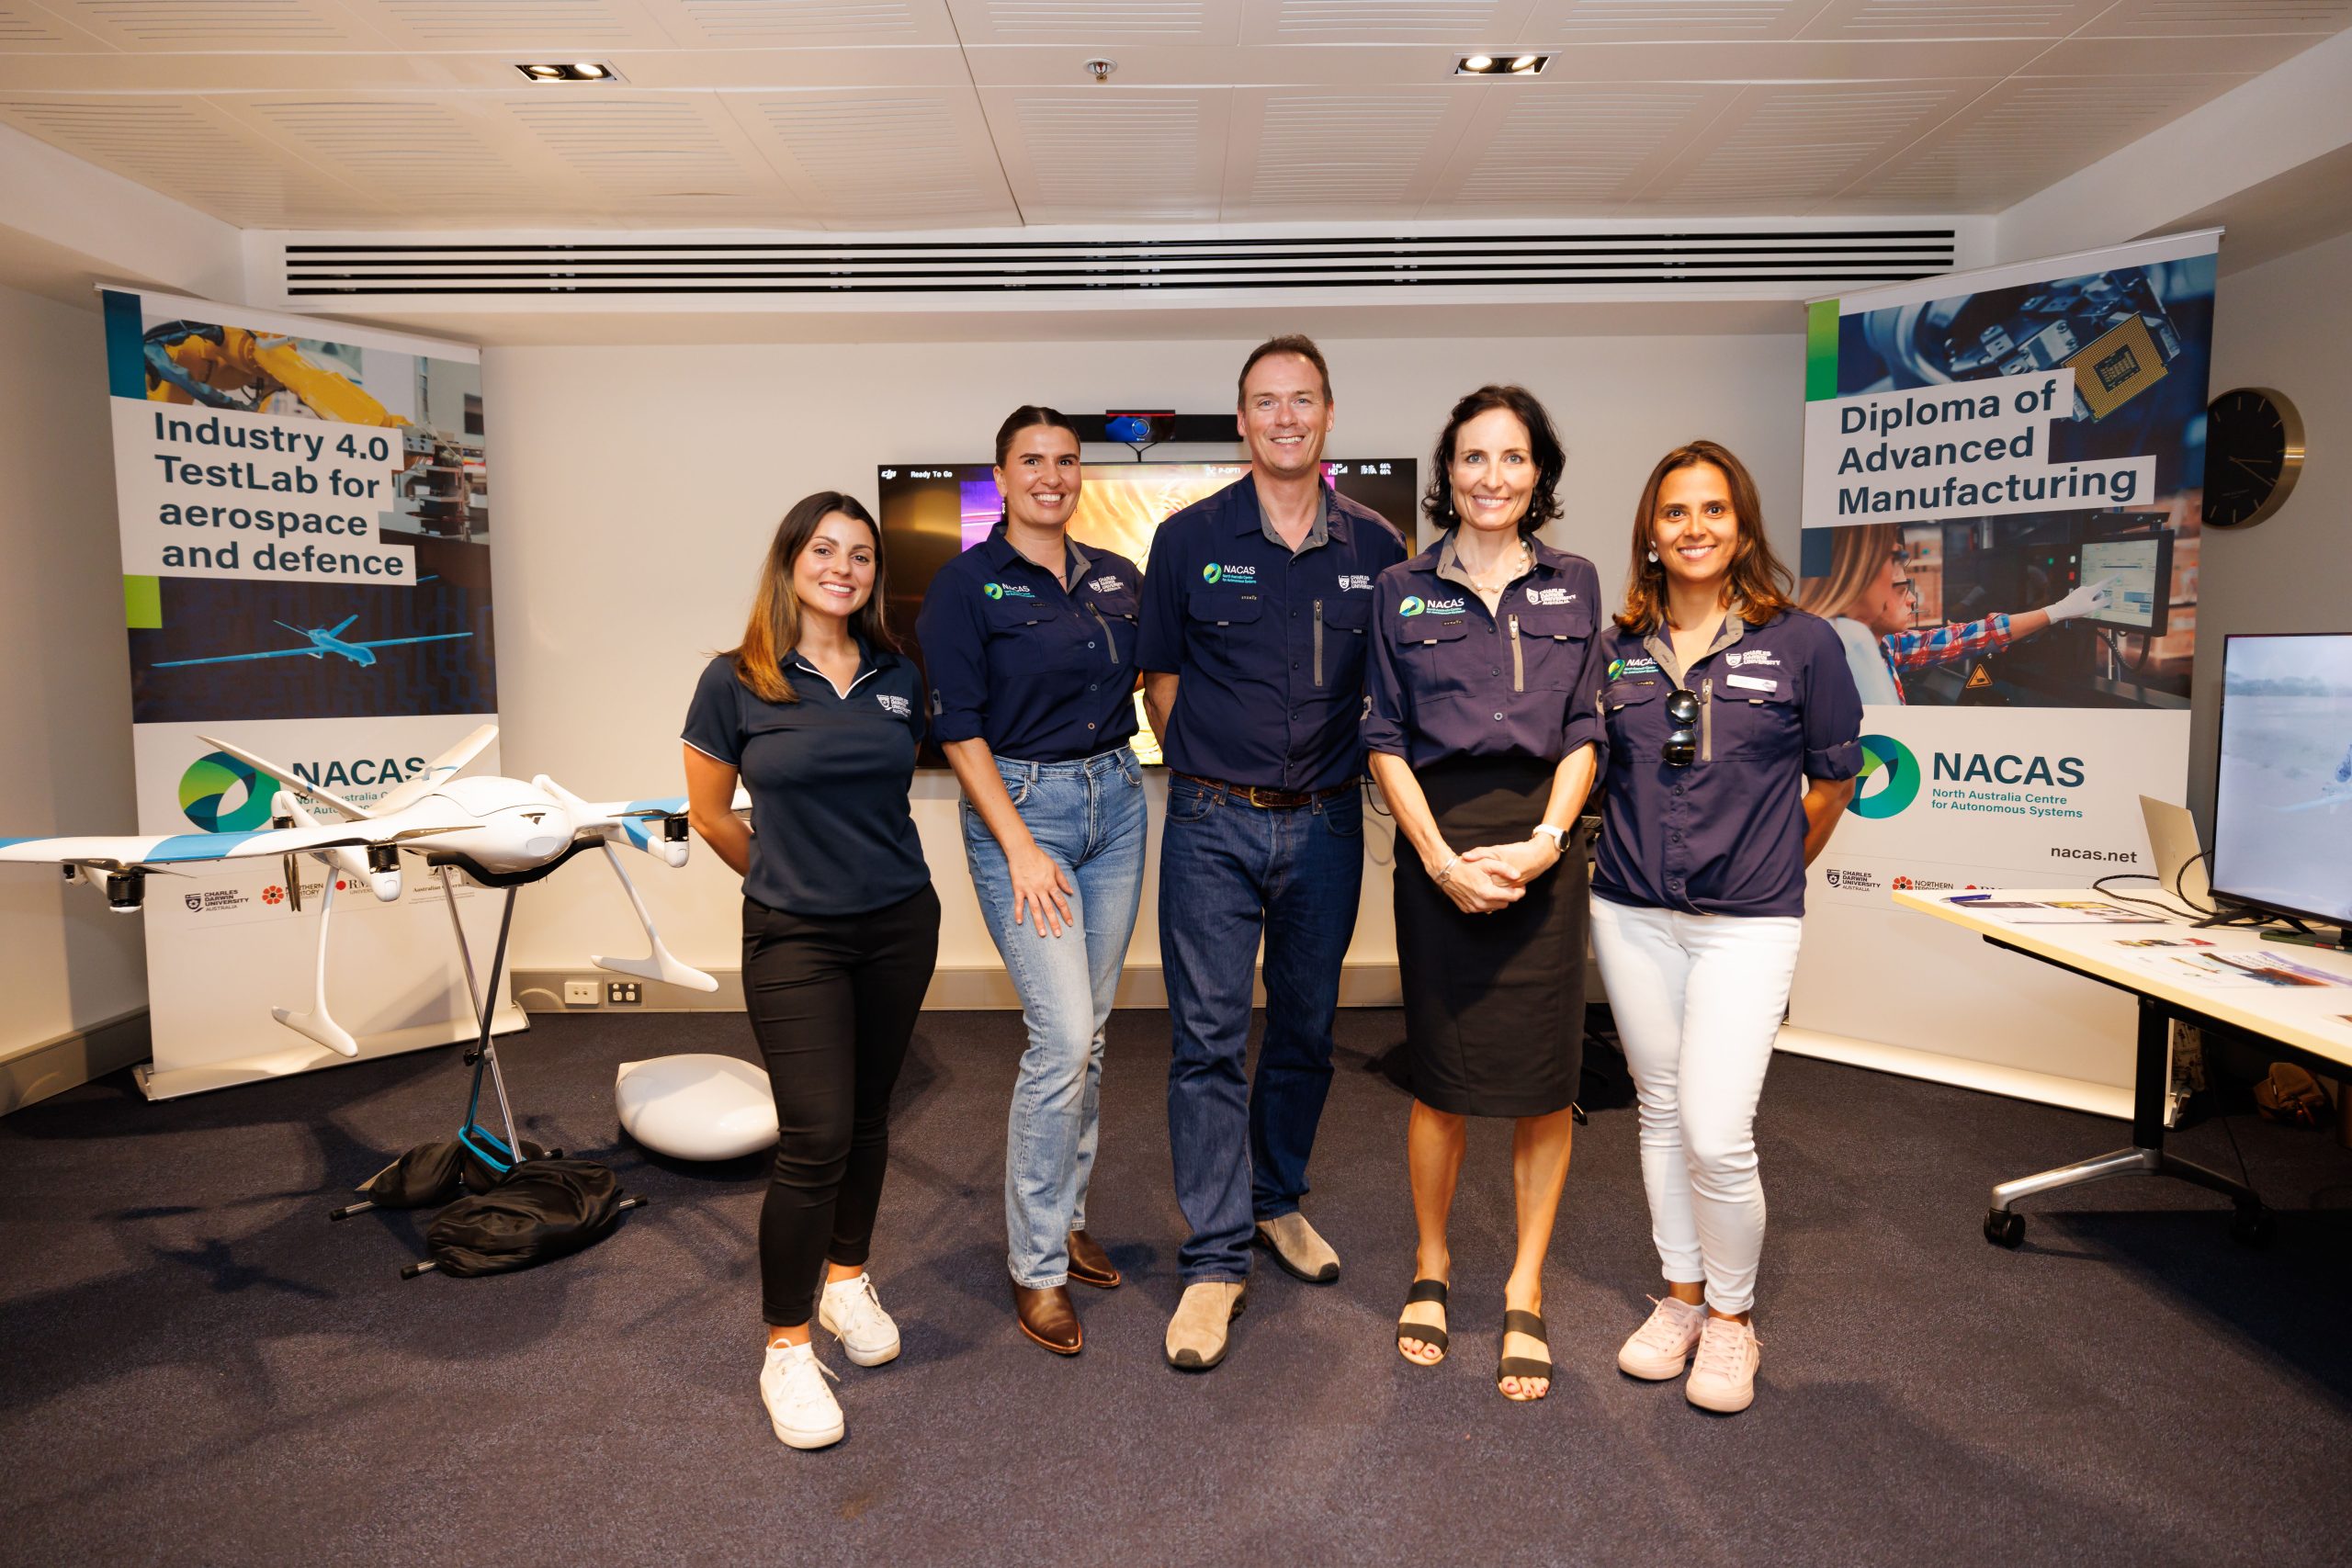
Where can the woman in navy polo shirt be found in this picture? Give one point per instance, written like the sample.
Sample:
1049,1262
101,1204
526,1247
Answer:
820,716
1029,641
1482,731
1733,746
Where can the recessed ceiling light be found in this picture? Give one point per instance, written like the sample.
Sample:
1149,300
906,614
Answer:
1494,65
574,71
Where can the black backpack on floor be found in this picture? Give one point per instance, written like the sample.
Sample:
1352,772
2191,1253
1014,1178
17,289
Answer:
545,1209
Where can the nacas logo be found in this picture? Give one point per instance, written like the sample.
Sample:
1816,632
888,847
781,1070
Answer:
1890,779
220,795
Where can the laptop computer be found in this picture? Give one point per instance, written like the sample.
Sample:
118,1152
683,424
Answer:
2174,853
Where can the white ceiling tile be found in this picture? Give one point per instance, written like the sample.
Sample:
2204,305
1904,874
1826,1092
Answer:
188,150
423,158
1089,23
1323,152
27,28
881,159
1784,147
565,28
776,24
1102,154
1586,21
1460,23
218,26
1579,146
663,147
1927,20
2197,19
2017,139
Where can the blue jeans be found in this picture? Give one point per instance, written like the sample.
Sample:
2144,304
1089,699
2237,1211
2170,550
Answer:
1088,816
1229,873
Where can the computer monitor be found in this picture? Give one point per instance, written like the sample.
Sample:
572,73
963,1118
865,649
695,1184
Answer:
2282,791
932,511
2141,573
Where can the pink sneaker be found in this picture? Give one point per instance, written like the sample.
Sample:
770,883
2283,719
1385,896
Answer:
1661,1346
1724,1377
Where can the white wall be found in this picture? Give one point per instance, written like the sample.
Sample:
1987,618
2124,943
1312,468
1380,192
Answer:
65,963
2283,324
634,489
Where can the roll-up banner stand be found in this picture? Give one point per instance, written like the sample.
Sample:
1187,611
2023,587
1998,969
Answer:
305,522
1981,449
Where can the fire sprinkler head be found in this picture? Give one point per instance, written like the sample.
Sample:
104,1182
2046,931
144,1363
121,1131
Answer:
1101,69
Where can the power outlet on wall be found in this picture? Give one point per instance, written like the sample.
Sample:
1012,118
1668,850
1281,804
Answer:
579,993
623,993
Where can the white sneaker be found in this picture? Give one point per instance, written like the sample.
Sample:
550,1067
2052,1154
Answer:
792,1386
1724,1377
851,1313
1661,1347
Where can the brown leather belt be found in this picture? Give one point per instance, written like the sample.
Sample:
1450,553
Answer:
1267,799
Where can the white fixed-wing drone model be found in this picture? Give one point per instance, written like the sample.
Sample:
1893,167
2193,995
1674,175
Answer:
496,832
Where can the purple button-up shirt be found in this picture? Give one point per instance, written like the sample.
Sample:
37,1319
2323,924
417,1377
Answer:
1725,835
1449,679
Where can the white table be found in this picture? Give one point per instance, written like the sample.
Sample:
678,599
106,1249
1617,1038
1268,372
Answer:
2311,1024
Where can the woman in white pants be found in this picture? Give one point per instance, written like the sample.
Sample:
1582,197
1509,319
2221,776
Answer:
1733,730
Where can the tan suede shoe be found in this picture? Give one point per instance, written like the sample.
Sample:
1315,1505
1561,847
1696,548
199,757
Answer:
1196,1335
1298,1249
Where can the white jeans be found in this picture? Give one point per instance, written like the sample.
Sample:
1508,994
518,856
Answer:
1698,999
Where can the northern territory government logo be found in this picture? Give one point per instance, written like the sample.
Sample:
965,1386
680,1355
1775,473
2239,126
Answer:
1890,778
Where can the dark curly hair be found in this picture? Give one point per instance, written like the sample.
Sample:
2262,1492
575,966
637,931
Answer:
1543,444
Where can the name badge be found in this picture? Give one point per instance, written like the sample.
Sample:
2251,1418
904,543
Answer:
1750,684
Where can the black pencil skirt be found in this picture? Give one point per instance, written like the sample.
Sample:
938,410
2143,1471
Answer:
1494,1004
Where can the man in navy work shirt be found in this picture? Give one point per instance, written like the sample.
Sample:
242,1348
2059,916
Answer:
1255,607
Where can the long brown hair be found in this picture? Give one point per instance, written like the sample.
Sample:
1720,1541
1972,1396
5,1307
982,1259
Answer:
775,626
1857,556
1757,585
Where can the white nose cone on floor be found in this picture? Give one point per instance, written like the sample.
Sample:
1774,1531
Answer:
696,1107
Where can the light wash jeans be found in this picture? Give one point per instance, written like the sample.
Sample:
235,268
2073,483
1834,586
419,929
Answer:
1698,1001
1088,815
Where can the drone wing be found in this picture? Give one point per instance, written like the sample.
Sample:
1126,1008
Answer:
293,781
161,851
236,658
396,641
441,767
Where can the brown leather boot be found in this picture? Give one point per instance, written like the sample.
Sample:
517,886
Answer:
1090,1265
1047,1317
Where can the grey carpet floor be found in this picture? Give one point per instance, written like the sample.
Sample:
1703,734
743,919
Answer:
194,1366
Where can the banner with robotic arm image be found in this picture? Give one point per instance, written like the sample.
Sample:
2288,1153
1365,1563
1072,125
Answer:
304,513
2002,478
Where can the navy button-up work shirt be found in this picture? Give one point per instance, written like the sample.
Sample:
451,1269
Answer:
831,833
1268,646
1725,836
1450,680
1042,669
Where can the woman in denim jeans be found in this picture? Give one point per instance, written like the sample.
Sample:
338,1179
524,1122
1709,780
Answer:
1029,641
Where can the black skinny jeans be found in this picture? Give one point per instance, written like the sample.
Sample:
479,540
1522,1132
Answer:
833,1001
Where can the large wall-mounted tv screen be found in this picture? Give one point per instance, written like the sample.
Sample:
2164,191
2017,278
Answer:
932,511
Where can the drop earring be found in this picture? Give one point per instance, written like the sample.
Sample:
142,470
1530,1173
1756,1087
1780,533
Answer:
1653,558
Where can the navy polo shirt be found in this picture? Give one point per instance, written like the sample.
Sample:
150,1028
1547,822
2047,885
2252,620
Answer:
1449,679
1041,670
1267,645
1725,836
828,777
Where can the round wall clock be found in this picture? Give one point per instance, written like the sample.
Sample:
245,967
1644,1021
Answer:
2254,450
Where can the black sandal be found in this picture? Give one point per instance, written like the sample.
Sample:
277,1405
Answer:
1427,1334
1524,1366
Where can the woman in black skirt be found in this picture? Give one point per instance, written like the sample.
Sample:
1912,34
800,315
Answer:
1485,732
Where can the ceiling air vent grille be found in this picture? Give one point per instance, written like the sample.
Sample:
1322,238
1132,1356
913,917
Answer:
1423,264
